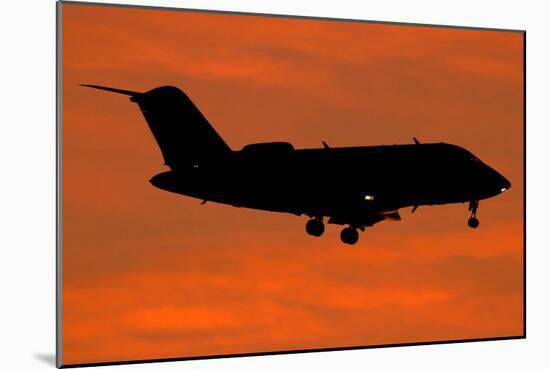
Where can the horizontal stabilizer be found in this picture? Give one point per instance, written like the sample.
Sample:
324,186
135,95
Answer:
115,90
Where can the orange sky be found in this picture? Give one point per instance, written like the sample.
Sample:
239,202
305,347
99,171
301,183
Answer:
149,274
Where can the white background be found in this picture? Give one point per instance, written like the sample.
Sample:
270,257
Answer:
27,182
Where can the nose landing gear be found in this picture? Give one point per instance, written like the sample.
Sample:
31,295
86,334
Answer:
473,222
315,227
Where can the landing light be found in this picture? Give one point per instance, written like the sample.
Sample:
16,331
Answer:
369,197
503,189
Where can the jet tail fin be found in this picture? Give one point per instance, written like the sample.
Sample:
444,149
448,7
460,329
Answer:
184,135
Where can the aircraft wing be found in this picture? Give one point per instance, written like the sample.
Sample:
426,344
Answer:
365,219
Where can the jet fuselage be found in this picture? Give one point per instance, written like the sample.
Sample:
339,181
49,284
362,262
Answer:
337,182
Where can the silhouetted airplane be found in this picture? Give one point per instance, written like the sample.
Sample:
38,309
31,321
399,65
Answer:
353,186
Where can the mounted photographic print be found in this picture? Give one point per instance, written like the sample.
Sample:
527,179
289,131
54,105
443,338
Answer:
239,184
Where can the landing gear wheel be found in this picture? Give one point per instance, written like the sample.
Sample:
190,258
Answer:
315,227
349,235
473,222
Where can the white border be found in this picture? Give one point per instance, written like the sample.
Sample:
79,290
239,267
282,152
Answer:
28,182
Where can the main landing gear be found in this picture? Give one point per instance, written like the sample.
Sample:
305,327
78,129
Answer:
349,235
473,222
315,226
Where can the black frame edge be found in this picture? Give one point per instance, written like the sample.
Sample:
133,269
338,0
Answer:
304,351
305,17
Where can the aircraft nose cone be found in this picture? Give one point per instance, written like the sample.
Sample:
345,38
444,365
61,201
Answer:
504,184
490,182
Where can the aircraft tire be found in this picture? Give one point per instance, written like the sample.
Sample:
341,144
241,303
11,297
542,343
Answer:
315,227
349,236
473,223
